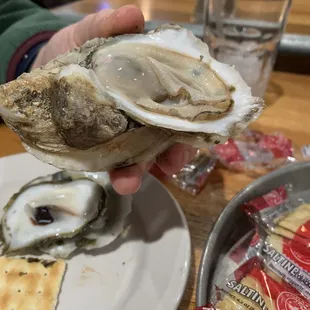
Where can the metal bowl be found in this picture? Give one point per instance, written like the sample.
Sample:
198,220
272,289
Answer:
233,223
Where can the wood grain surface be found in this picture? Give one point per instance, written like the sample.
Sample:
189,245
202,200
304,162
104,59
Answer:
287,111
183,10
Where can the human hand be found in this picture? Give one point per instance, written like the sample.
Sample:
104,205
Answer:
107,23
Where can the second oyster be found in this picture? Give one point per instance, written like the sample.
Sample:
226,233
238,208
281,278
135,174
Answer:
60,213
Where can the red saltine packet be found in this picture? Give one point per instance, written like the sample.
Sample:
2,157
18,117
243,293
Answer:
268,268
280,212
254,286
270,199
243,250
255,153
287,258
283,222
290,260
234,258
271,273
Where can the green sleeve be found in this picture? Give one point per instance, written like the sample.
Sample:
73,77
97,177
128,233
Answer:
21,20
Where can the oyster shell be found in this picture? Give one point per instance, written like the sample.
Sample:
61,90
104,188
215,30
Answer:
123,100
60,213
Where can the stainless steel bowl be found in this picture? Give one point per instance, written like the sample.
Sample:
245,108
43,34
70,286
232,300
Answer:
232,222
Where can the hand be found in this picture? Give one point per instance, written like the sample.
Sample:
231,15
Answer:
107,23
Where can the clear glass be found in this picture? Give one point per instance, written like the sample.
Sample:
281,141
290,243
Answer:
246,34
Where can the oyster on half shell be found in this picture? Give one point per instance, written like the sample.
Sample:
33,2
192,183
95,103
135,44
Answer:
60,213
123,100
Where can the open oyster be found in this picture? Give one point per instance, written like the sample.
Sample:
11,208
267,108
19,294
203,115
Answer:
118,101
59,213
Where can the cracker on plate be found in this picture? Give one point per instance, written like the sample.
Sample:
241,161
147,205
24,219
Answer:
28,283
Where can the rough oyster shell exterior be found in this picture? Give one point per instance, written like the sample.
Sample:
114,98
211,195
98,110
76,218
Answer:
78,113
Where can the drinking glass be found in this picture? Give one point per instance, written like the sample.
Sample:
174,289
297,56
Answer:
246,34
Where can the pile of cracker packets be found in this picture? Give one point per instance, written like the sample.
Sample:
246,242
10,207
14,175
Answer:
253,153
269,268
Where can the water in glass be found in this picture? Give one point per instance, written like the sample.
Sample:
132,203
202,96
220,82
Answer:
246,34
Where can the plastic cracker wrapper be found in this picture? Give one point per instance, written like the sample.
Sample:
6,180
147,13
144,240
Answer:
256,153
240,252
254,286
266,208
305,151
290,261
268,275
286,258
269,267
193,176
284,241
282,213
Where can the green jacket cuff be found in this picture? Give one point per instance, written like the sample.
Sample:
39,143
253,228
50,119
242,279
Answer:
22,35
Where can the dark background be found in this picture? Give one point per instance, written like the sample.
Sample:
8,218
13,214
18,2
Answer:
51,3
293,63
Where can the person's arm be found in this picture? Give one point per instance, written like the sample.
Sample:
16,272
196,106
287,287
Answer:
24,28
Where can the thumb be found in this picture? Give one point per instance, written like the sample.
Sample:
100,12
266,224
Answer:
107,23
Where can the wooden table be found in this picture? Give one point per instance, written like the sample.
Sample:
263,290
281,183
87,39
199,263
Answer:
287,111
183,11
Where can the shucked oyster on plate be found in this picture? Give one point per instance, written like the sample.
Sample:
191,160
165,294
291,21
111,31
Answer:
118,101
60,213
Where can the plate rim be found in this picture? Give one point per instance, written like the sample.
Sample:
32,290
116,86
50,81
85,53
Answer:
187,232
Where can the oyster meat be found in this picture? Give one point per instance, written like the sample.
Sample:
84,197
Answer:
123,100
60,213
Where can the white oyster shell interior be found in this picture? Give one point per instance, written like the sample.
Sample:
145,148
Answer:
168,79
72,205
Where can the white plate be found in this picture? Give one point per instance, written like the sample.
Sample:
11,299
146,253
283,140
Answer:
148,269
